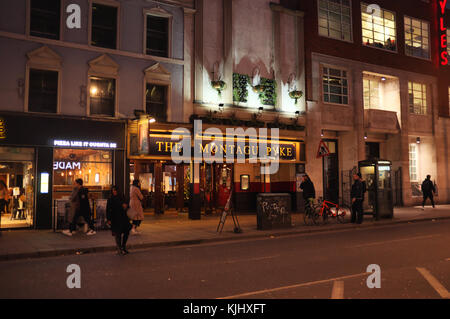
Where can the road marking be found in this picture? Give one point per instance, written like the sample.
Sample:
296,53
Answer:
393,241
249,259
434,283
305,284
338,290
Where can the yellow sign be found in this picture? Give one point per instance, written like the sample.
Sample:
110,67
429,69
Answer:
2,129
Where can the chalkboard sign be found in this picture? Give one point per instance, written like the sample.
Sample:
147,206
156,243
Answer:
274,211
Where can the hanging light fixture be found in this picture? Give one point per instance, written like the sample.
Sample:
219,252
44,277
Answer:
418,141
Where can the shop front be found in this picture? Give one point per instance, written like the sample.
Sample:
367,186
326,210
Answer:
202,186
41,157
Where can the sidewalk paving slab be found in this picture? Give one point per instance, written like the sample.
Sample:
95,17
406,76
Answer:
173,230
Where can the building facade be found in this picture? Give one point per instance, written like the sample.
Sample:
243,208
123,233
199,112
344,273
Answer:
74,73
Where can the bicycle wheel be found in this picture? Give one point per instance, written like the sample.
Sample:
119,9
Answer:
341,213
325,214
316,215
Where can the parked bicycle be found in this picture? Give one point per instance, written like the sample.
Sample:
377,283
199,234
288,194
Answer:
311,213
331,210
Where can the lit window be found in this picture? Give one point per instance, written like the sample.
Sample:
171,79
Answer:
448,45
371,94
335,19
335,86
378,28
102,94
156,101
417,38
413,162
417,98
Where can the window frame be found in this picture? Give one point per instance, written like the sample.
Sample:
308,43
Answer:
416,155
370,106
396,30
111,3
28,23
423,85
328,28
158,75
166,97
322,75
158,12
429,37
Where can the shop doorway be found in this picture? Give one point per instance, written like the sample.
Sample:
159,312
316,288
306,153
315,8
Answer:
331,172
216,182
17,187
165,185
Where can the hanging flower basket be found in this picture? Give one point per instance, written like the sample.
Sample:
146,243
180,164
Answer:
219,86
258,88
296,95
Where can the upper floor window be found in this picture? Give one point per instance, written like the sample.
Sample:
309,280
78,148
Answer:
157,36
335,86
335,19
104,26
156,102
371,94
417,98
45,18
102,93
417,38
378,28
43,91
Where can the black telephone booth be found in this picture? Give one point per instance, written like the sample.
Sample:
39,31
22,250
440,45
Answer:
378,200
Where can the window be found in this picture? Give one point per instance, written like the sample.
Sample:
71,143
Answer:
417,41
413,161
371,94
448,45
417,98
378,29
104,26
43,91
156,101
335,86
335,19
45,18
102,96
157,36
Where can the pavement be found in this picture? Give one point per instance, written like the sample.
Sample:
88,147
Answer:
177,229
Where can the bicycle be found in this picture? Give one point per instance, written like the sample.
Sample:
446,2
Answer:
329,209
311,213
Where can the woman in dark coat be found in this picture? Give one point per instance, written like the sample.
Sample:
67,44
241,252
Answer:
116,213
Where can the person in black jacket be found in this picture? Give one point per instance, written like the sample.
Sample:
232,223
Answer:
428,191
309,192
357,195
116,214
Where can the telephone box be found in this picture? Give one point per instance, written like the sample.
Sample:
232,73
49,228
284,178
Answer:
378,200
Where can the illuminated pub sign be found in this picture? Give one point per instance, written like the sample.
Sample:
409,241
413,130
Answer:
443,32
161,146
2,129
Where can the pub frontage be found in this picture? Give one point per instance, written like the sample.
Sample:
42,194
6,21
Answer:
202,186
42,156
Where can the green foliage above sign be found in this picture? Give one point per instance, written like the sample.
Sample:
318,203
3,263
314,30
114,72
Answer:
268,95
240,93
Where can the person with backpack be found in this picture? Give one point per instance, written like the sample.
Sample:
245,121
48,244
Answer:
80,207
428,191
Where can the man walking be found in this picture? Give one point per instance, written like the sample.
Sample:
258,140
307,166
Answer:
80,207
357,199
428,191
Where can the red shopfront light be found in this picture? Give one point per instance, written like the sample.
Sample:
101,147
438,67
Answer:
443,30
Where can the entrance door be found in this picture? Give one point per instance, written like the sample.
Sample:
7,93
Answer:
331,172
159,191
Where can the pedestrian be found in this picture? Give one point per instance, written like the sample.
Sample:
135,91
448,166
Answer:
80,207
428,191
116,214
136,206
357,199
4,195
309,192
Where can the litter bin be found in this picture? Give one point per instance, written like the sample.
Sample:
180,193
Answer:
273,211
